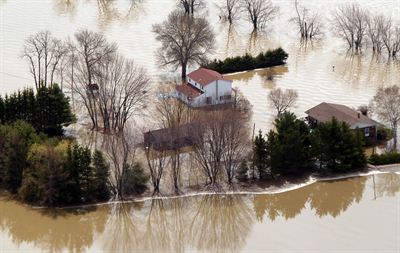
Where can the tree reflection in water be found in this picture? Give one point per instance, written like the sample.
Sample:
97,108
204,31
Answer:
387,184
326,198
214,223
51,231
107,9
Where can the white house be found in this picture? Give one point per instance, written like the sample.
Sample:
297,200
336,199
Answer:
205,87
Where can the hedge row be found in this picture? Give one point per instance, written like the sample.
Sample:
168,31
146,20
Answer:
247,62
387,158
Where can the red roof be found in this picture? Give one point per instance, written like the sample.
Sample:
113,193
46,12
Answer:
205,76
189,90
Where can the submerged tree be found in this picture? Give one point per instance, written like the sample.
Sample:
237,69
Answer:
220,143
350,23
122,92
189,6
282,100
259,12
173,114
185,40
91,51
309,24
386,105
230,10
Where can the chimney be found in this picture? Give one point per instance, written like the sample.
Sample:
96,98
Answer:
358,115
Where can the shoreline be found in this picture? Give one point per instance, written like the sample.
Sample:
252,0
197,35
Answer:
311,179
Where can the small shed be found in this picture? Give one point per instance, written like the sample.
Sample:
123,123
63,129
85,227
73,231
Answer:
167,139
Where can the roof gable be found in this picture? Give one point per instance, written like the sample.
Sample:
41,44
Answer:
205,76
324,112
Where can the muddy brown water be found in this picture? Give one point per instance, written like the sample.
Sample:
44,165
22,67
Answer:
360,214
129,23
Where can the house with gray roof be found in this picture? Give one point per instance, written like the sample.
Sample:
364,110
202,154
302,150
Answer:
324,112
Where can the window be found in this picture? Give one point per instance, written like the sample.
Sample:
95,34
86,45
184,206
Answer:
367,131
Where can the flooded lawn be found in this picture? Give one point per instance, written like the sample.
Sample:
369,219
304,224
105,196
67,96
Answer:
354,215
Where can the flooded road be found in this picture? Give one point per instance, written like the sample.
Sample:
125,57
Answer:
129,22
354,215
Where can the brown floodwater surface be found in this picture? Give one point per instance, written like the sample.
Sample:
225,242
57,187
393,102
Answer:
309,69
360,214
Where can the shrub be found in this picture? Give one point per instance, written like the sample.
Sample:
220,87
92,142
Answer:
387,158
134,180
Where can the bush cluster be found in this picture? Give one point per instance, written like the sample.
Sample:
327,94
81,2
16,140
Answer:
247,62
48,171
387,158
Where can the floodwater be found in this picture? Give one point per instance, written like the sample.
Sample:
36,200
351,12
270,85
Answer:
360,214
129,22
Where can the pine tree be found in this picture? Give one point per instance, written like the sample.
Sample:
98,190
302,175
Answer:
337,147
260,155
101,177
289,147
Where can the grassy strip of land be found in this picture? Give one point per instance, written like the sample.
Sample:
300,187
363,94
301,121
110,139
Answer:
384,159
248,62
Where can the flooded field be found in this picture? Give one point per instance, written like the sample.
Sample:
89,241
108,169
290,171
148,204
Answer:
360,214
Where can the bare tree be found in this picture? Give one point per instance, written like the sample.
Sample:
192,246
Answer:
122,91
209,144
221,138
157,161
189,6
391,36
259,12
386,105
185,40
350,23
91,51
282,100
376,26
120,149
236,142
172,113
230,10
309,24
44,53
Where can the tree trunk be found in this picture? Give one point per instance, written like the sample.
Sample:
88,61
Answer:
184,65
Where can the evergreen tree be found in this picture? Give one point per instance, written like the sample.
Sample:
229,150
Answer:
47,111
101,177
289,147
337,147
260,155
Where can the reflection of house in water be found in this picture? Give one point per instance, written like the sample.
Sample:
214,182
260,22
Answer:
170,138
205,87
324,112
